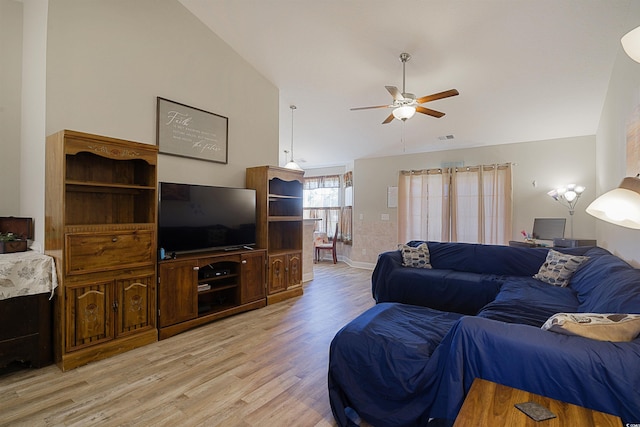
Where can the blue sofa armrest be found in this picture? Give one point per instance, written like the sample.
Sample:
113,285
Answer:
595,374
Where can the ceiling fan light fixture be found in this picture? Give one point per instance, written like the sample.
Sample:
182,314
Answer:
403,113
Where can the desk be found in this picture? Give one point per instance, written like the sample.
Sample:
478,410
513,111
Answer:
491,405
27,282
525,244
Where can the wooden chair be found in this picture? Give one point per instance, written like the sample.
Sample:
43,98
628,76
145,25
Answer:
328,246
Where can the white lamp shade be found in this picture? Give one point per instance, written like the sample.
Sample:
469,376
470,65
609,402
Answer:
404,112
293,165
570,195
631,44
620,206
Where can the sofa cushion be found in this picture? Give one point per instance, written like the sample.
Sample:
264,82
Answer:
558,268
607,284
417,257
603,327
530,302
484,259
618,293
489,259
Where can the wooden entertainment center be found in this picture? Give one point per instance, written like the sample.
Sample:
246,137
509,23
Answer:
101,228
195,289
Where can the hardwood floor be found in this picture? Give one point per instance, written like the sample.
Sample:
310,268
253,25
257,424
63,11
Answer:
267,367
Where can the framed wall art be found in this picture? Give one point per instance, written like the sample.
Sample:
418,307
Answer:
191,132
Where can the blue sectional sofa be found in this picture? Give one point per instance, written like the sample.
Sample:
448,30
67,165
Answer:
478,312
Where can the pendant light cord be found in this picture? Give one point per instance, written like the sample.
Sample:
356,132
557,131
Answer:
293,107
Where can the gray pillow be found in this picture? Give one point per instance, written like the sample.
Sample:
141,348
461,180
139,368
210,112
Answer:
415,257
558,268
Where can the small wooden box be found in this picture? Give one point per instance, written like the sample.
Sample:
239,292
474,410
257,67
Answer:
22,228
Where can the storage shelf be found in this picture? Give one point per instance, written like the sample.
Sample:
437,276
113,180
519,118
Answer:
218,288
107,227
276,252
285,218
275,197
215,309
92,185
216,278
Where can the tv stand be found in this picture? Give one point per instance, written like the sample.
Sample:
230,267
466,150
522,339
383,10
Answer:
198,288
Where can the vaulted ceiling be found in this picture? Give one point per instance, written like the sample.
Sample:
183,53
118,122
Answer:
526,70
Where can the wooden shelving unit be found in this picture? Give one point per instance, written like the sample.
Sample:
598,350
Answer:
279,227
101,203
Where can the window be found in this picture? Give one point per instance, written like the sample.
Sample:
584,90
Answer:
471,204
321,199
347,210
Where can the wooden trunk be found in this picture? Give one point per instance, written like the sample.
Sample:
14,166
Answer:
22,228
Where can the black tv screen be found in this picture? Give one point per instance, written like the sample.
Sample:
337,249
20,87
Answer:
199,217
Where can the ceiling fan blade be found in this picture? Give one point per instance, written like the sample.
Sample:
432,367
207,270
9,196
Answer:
388,119
445,94
429,112
369,108
397,95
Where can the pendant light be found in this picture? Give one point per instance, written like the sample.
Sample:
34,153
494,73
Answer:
292,164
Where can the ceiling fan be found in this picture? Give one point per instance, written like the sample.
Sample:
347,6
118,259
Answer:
405,105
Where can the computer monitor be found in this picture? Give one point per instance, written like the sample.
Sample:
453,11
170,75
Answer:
548,228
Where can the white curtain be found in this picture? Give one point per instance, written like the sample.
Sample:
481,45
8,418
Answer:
471,204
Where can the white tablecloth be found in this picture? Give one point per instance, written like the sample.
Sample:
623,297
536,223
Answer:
26,273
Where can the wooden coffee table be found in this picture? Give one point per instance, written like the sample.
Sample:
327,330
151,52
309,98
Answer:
491,405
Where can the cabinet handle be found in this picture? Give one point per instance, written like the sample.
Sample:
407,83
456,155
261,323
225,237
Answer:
244,261
115,239
196,268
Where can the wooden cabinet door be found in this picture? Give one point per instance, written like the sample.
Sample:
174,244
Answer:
89,314
135,304
277,274
294,270
177,292
252,284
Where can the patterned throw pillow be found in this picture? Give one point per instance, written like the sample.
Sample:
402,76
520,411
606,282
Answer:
603,327
415,257
558,268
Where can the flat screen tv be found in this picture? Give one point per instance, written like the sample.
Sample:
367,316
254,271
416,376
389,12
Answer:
195,218
548,228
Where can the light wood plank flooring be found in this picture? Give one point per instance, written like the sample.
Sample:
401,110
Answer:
267,367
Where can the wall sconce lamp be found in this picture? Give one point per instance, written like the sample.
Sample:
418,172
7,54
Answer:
568,196
620,206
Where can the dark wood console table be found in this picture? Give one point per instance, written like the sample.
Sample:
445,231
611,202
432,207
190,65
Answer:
28,281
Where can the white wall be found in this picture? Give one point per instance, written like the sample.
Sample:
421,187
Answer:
10,105
33,113
549,163
623,97
107,61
